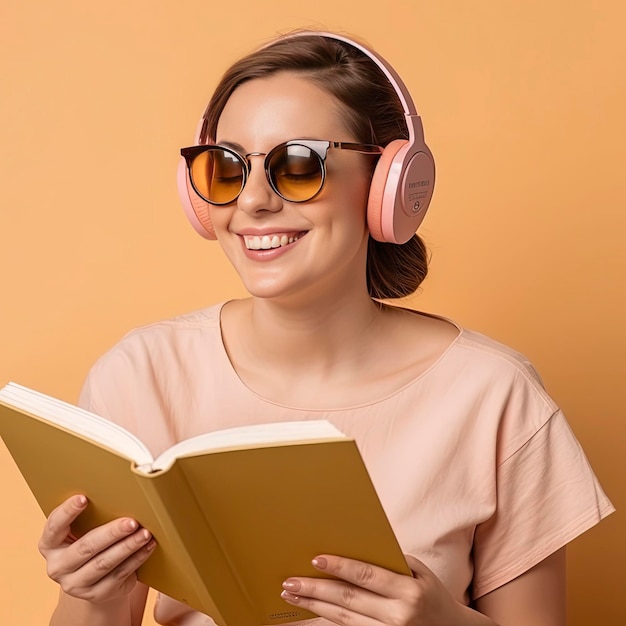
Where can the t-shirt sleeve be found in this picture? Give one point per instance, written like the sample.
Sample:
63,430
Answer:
547,494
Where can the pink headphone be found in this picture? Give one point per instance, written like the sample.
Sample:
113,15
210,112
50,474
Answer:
402,184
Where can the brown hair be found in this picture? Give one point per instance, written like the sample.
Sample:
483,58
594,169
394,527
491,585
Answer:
374,114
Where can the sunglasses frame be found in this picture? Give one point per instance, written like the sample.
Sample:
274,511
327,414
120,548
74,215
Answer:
319,147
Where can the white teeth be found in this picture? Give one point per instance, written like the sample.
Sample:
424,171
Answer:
267,242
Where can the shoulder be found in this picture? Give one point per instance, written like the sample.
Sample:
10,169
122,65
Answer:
504,382
463,353
156,355
174,335
495,356
443,336
483,356
485,386
475,354
200,320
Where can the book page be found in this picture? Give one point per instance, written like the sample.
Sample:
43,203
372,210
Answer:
257,435
76,420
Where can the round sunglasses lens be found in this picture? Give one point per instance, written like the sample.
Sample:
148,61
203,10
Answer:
218,175
297,172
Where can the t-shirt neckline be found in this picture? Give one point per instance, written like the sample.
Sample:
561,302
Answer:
417,380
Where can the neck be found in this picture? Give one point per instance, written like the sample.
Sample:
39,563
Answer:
320,336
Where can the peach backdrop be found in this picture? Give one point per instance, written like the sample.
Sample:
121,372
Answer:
523,103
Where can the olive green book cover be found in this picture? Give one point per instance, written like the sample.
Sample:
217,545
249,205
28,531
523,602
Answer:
233,512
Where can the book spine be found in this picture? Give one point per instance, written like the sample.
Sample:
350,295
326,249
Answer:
194,569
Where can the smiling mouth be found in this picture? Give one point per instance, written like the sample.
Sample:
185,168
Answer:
267,242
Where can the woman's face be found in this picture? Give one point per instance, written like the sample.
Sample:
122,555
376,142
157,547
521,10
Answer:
323,241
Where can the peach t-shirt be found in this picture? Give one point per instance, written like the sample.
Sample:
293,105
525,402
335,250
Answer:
476,466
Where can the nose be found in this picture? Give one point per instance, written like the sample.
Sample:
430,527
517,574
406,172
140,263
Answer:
257,195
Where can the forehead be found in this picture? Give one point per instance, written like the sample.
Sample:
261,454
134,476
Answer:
264,112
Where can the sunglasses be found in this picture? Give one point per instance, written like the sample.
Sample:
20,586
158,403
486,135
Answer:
296,169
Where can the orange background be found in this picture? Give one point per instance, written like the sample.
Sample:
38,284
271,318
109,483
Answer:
523,103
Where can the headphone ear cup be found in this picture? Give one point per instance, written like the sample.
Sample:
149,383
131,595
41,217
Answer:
380,181
196,209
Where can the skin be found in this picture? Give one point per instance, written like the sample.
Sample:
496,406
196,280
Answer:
311,322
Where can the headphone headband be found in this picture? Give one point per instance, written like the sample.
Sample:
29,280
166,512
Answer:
403,93
413,121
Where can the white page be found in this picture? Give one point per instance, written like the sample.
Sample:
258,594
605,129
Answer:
249,436
77,420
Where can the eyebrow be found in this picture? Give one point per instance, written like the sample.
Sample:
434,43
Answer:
235,146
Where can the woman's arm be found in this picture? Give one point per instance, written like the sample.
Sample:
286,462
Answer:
126,611
536,597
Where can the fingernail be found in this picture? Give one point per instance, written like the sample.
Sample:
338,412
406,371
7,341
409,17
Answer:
319,562
290,597
130,524
151,546
291,584
81,501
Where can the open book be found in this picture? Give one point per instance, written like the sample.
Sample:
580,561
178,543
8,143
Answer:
234,512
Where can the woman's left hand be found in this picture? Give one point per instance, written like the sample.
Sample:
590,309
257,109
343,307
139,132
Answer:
367,595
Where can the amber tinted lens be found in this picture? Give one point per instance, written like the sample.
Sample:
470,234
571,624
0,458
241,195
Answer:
218,175
297,172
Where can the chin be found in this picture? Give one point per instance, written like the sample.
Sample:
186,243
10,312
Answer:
281,289
267,288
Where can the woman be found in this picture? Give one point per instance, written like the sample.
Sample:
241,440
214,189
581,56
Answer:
480,475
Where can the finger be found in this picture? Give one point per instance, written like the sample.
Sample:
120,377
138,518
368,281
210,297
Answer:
57,527
115,583
339,600
101,550
339,612
365,575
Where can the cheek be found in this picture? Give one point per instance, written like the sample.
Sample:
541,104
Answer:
220,217
353,196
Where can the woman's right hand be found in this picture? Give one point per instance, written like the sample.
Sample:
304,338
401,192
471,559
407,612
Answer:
100,566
